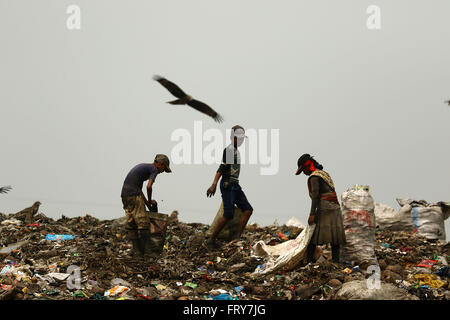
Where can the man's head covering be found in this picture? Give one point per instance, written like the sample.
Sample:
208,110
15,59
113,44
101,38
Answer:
162,158
238,132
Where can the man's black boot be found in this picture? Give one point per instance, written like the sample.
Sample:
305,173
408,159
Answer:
138,250
149,246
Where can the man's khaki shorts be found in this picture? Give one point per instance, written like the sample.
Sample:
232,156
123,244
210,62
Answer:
137,217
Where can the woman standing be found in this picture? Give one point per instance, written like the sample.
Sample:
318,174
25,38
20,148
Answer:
325,209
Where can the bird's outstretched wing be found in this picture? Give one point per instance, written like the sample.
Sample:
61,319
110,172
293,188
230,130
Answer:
172,87
202,107
5,189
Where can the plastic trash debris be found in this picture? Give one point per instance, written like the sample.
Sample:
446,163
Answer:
190,284
427,263
160,287
58,276
35,225
59,237
238,289
52,293
11,222
283,236
12,247
103,256
5,286
5,270
216,292
442,260
117,290
120,282
430,280
80,294
223,296
347,270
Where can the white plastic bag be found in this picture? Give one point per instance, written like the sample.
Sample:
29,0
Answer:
359,224
427,218
388,218
284,256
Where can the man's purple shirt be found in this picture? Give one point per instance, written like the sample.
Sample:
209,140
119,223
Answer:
132,186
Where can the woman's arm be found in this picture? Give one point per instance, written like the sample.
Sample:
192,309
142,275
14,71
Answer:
315,198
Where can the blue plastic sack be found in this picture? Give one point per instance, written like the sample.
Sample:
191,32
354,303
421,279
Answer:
223,296
59,237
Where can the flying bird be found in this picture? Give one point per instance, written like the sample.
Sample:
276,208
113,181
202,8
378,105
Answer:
184,98
448,102
5,189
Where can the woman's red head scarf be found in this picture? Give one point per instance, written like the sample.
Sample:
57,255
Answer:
310,164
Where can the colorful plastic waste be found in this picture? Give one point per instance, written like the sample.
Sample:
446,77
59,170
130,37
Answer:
223,296
80,294
427,263
160,287
239,289
190,284
52,293
283,236
431,280
347,270
59,237
5,270
33,225
6,287
116,291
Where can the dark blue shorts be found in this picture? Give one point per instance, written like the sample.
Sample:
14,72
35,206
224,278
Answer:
232,195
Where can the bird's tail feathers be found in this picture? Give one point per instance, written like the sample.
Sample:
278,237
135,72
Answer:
218,118
178,101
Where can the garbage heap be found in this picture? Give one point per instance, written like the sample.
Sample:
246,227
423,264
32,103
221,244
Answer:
87,258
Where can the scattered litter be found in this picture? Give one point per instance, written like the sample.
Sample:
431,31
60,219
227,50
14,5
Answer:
59,237
190,284
427,263
116,291
35,268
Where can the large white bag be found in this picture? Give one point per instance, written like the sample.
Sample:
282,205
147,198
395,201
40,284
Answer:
284,256
388,218
428,219
359,224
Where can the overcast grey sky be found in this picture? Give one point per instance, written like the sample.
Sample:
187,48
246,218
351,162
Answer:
78,108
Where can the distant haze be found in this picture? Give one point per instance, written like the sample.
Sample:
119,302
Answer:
79,108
